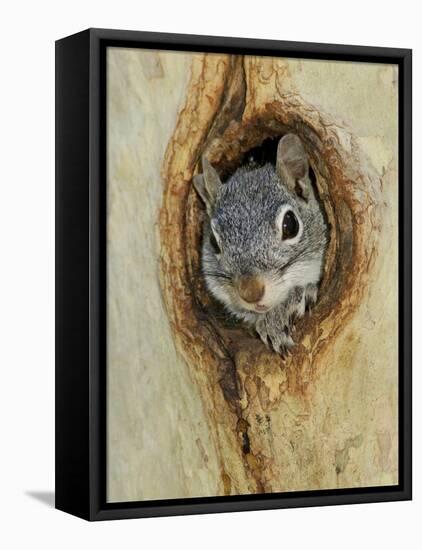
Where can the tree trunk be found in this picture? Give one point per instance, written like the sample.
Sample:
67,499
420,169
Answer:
325,416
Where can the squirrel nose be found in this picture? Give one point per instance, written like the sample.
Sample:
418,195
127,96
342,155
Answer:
251,289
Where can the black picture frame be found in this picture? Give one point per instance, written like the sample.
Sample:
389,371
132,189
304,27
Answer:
80,273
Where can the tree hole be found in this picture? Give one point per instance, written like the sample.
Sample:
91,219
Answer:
228,326
231,132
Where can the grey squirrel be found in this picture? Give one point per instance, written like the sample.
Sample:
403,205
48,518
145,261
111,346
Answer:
264,241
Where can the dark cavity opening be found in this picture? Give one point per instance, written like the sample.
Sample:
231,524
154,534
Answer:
257,156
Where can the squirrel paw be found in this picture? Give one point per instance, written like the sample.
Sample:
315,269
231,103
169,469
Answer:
276,326
275,332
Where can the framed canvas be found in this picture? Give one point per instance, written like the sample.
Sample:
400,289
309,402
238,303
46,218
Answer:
233,229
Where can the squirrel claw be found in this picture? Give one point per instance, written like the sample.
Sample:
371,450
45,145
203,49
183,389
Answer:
276,328
279,342
275,333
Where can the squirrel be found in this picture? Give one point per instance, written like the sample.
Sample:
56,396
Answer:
264,241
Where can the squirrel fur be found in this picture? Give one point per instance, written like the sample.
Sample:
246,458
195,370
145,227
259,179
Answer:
264,241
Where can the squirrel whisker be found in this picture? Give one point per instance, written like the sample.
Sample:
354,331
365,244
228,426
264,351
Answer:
217,275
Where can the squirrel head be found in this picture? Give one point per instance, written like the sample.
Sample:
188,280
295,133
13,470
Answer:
265,232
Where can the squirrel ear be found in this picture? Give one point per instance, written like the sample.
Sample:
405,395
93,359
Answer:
293,166
207,184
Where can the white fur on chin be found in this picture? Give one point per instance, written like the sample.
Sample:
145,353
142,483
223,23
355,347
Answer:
301,274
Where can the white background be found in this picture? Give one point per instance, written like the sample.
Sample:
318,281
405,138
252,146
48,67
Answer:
27,519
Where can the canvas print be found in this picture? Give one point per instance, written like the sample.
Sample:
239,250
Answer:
252,274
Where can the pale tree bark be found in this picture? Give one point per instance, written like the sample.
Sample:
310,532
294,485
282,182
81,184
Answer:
326,416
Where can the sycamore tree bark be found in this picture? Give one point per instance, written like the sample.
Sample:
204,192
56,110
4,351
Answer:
239,418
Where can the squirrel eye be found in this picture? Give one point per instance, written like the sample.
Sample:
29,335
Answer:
290,225
214,243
